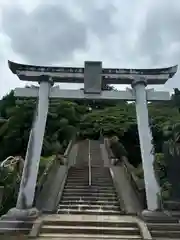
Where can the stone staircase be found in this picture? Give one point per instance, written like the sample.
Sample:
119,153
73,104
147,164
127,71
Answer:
89,212
79,198
98,198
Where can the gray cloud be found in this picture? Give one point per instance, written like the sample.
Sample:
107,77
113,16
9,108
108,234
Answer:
51,33
101,22
47,34
161,32
98,16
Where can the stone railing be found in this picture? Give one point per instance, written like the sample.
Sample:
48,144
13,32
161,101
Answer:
44,176
68,150
108,149
137,185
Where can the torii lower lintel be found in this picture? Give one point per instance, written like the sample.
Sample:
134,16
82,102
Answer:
127,95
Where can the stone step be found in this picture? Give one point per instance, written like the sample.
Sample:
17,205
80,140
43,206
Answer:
94,172
87,178
86,181
78,177
86,206
88,198
89,190
95,169
87,222
13,227
98,173
161,221
88,211
80,167
86,184
24,231
106,194
166,234
81,186
120,219
164,238
114,203
89,187
159,217
86,174
14,223
89,230
162,226
49,236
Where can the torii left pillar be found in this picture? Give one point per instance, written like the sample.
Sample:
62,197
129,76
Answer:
24,206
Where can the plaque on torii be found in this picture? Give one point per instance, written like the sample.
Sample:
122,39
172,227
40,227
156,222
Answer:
92,75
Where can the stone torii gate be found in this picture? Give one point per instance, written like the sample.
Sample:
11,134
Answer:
92,75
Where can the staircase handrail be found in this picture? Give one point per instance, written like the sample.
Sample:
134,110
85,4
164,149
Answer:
89,163
68,149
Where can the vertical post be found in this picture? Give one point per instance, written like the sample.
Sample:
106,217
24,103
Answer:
145,138
1,193
33,154
89,164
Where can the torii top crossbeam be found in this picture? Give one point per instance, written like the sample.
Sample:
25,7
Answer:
77,75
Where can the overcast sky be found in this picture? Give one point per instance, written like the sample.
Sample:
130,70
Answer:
121,33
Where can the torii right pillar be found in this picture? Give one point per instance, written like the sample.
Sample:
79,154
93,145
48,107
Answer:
145,137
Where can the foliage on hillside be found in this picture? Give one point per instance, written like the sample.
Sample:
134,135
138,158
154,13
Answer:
65,118
167,163
15,124
109,121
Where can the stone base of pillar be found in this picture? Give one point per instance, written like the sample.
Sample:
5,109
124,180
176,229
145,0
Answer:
21,214
158,216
